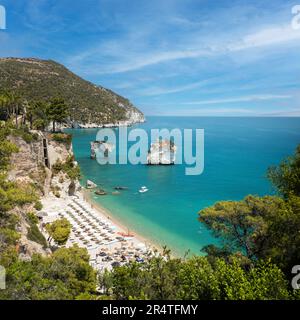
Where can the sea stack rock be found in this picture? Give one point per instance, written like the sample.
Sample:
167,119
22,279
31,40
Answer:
94,147
100,146
162,152
90,184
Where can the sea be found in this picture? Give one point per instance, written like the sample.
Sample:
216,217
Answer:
237,154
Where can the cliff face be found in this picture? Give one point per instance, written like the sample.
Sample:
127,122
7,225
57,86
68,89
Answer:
28,165
93,105
31,166
135,116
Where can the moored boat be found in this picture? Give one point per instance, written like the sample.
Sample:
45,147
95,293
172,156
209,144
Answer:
143,189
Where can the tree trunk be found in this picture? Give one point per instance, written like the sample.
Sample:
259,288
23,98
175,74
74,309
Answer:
53,126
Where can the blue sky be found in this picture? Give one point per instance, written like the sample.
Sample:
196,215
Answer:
169,57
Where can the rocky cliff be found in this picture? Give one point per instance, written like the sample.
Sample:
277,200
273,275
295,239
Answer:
33,166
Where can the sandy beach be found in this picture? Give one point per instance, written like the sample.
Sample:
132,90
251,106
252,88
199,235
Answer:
87,195
107,241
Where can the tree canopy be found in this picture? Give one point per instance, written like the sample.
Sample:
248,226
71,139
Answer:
66,274
195,279
261,227
59,230
57,111
286,176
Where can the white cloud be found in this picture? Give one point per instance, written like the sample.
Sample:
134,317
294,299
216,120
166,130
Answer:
129,54
266,37
137,61
239,99
161,91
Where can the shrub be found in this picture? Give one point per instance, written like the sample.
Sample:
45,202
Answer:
40,124
57,167
62,138
38,205
33,232
35,235
68,167
32,218
25,134
59,230
8,236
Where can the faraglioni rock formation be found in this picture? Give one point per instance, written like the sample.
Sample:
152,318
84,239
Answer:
162,152
103,146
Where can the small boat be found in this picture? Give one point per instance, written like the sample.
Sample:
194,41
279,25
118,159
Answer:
143,190
121,188
100,192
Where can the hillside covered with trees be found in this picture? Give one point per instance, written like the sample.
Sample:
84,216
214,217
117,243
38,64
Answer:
42,80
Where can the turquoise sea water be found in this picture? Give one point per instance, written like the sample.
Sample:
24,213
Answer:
238,152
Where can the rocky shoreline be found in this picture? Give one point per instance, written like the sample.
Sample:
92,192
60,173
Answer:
133,118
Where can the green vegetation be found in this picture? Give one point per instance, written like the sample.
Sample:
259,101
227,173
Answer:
25,134
261,227
65,275
62,138
37,114
11,194
38,205
57,111
39,80
34,233
68,167
259,236
286,177
11,106
59,231
195,279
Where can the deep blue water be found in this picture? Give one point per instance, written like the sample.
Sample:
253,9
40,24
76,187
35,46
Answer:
238,152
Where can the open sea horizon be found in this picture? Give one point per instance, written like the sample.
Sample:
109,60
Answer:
238,152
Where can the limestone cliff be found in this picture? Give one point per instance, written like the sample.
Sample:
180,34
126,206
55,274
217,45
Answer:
32,166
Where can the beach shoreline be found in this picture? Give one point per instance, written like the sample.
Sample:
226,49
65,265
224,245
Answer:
87,196
97,230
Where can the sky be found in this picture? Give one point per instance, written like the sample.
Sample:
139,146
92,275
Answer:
169,57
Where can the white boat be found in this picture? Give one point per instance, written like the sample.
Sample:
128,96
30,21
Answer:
143,190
